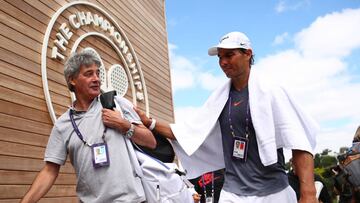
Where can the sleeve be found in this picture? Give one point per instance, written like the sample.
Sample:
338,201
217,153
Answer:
55,150
127,110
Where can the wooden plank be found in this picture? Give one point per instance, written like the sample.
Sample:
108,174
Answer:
18,48
26,178
21,74
24,124
18,136
28,89
26,14
6,56
24,112
28,164
26,100
41,7
19,61
18,191
19,37
21,150
21,86
59,200
46,200
20,26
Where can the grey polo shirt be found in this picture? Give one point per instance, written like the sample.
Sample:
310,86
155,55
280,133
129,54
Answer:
114,183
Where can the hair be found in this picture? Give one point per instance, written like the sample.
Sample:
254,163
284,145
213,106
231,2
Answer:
73,64
357,135
251,60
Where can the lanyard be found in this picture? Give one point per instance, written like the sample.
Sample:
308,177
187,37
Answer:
212,184
246,119
76,129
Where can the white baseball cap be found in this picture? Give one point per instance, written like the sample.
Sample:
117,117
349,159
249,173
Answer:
231,40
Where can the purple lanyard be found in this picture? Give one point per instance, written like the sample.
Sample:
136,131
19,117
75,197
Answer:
76,129
246,119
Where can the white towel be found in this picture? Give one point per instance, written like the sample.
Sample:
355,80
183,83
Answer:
277,118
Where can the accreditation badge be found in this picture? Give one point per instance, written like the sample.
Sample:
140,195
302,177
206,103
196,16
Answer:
240,148
209,200
100,155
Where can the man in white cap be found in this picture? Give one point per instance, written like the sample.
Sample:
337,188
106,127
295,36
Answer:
254,122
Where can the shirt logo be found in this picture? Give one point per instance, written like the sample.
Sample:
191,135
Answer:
237,103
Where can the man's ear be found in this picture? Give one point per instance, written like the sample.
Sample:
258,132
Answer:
249,52
72,81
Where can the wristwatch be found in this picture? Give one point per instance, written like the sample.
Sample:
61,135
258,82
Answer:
130,132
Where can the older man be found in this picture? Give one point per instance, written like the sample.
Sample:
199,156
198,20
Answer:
94,138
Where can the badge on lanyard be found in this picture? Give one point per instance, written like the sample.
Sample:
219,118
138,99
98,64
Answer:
209,200
240,148
100,155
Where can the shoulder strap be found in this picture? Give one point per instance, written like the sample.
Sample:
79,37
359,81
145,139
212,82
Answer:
130,148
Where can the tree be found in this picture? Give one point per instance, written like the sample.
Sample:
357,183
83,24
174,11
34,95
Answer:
325,152
327,161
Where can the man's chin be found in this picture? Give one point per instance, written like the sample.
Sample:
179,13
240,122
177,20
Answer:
94,94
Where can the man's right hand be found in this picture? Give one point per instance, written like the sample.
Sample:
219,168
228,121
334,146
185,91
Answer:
162,128
144,119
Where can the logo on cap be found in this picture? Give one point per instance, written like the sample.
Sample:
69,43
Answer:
224,38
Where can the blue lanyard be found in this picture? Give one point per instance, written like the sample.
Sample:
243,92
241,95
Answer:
76,129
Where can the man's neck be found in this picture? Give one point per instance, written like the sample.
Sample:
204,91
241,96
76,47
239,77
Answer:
241,82
82,104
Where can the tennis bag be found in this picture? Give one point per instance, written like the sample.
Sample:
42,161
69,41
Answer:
162,182
163,150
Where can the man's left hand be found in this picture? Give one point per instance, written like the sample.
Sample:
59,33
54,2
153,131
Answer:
113,119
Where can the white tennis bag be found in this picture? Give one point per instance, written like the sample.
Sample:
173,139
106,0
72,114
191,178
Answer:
161,182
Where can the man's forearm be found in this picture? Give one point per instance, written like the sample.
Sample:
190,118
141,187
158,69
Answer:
304,167
144,137
42,183
161,127
164,129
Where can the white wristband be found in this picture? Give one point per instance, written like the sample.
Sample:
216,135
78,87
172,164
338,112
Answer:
152,125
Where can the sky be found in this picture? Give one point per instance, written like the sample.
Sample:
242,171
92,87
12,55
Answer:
311,47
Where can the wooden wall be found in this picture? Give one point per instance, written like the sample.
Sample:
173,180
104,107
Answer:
25,123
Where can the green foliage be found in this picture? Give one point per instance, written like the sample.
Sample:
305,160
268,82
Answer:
322,166
327,161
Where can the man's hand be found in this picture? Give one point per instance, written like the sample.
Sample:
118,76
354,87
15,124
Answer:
144,119
162,128
113,119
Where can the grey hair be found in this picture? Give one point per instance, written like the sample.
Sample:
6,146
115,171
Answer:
73,64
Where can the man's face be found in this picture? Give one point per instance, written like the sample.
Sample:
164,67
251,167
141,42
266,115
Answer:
87,82
233,62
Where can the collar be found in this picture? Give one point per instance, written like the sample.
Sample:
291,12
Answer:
72,107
